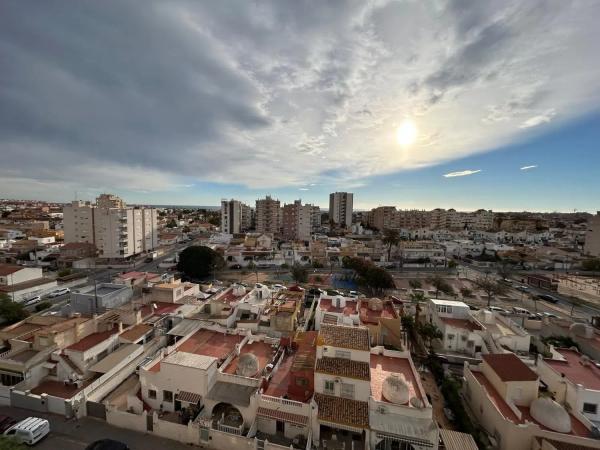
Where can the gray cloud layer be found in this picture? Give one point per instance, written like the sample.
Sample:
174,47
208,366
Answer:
135,94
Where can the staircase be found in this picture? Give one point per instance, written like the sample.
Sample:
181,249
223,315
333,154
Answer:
70,365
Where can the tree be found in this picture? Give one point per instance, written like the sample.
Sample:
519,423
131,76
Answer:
416,298
198,261
506,268
452,264
172,224
390,238
377,279
299,273
429,332
64,272
186,229
415,284
591,265
11,311
575,301
490,286
466,292
440,285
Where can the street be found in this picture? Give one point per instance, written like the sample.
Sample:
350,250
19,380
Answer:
76,435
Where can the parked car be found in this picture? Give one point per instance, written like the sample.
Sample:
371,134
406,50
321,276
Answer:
522,288
549,314
520,311
107,444
6,422
29,431
548,298
236,266
59,292
497,309
33,300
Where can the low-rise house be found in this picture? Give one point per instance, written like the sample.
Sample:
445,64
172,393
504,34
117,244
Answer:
382,320
20,283
336,310
501,334
461,332
573,380
503,394
100,297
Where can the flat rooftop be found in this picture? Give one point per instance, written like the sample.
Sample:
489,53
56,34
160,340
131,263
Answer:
383,366
587,375
264,353
326,304
59,389
211,343
369,315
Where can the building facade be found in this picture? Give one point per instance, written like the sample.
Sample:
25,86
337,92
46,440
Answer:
268,215
592,237
340,208
117,231
297,221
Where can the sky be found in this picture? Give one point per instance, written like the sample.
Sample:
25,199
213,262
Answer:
187,102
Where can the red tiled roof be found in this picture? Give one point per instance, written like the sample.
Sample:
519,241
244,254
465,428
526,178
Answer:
509,367
343,410
343,367
8,269
136,332
210,343
161,308
281,415
92,340
587,375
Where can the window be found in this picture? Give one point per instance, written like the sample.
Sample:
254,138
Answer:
151,394
167,396
450,337
347,390
590,408
343,354
329,387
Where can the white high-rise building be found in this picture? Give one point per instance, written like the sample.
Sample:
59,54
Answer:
231,216
268,215
118,231
340,208
592,237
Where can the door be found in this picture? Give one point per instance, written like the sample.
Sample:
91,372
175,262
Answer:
280,426
177,405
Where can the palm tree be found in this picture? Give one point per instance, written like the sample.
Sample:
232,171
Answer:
416,298
390,238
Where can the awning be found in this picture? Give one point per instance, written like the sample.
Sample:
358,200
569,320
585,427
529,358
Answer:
188,397
296,419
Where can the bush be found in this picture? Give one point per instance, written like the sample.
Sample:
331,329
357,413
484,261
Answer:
317,265
198,261
64,272
42,306
11,311
415,284
466,292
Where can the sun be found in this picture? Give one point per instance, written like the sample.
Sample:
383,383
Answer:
406,134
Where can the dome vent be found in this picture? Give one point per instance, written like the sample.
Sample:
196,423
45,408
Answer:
375,304
416,402
247,365
550,414
395,389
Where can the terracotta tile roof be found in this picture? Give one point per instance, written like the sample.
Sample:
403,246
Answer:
343,367
136,332
281,415
7,269
343,411
356,338
91,341
509,367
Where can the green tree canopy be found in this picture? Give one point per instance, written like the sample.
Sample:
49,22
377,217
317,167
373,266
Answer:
198,261
11,311
390,238
299,273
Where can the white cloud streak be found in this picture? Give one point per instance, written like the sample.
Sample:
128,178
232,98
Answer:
529,167
462,173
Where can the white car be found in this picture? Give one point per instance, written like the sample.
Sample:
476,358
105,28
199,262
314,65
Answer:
59,292
33,300
29,431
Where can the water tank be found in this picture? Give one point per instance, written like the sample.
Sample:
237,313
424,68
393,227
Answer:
247,365
395,389
550,414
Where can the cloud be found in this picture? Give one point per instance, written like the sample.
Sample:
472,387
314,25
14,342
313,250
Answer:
151,95
528,167
539,119
303,189
462,173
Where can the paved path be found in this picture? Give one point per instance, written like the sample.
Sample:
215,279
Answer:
76,435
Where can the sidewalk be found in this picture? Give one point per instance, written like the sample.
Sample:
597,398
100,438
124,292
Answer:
76,435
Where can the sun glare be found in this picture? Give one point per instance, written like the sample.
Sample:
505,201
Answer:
406,134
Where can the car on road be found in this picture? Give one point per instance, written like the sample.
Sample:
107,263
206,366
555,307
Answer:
497,309
236,266
29,431
522,288
548,298
473,308
33,300
107,444
520,311
507,281
59,292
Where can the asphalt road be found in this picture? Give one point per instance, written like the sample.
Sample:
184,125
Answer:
77,434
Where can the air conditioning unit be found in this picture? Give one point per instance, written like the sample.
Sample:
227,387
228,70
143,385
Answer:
381,409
